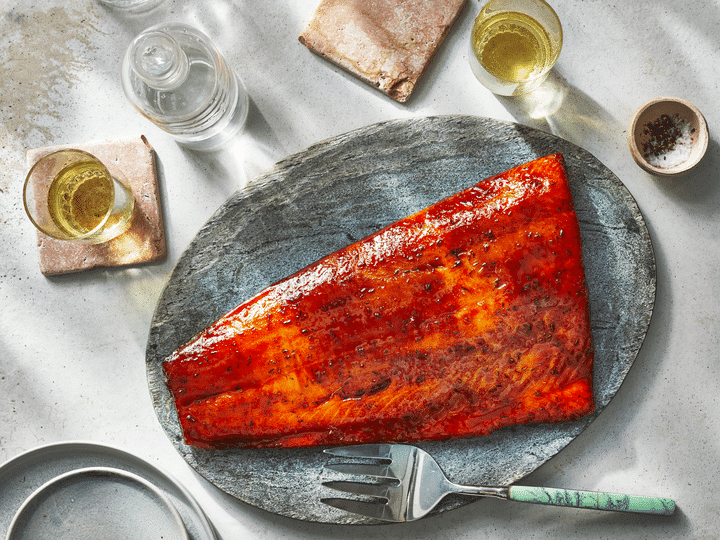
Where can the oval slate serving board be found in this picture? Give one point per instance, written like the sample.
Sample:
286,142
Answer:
339,191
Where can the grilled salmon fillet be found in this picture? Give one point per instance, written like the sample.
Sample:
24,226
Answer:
456,321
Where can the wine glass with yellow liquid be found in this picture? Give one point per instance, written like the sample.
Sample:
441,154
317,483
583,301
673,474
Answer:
514,45
71,195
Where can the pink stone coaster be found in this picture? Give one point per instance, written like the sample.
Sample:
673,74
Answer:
143,242
386,43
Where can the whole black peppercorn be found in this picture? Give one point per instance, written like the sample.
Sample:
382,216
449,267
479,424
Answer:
664,134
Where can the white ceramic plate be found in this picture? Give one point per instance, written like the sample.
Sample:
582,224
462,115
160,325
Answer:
97,503
24,475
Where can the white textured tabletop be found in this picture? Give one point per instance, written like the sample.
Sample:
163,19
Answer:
72,365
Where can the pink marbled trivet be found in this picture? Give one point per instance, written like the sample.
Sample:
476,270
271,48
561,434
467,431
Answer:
386,43
143,242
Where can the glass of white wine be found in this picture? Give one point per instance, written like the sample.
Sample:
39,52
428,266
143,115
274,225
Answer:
514,45
71,195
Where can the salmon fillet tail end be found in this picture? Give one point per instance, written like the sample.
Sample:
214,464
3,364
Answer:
463,318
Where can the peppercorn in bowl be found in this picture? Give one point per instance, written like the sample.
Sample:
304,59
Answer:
668,136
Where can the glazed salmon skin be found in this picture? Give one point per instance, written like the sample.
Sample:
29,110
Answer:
466,317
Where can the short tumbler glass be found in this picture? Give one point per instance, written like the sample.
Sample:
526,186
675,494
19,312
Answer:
514,45
71,195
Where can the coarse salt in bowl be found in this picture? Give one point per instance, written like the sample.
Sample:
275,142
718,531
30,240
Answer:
668,136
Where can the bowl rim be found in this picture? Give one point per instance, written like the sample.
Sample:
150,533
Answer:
685,166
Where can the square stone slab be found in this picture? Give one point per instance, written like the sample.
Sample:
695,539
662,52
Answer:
386,43
143,242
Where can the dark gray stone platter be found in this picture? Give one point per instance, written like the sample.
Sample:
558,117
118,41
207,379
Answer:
339,191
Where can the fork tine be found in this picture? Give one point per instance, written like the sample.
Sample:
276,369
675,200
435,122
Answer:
380,451
361,488
371,510
365,469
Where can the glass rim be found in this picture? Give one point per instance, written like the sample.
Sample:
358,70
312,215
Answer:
29,213
543,3
552,60
129,77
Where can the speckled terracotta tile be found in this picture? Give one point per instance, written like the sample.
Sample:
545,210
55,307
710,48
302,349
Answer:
386,43
143,242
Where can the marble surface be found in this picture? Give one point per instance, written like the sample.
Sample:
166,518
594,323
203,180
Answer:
143,242
73,361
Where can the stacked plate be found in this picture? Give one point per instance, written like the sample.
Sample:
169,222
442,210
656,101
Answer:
88,491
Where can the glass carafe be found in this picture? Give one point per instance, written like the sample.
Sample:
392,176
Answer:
173,74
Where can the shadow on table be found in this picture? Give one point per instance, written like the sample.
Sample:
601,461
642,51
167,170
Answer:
250,153
558,108
699,188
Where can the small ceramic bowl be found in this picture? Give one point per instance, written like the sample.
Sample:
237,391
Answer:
668,136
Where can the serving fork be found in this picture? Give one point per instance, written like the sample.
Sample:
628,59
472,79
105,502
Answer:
406,483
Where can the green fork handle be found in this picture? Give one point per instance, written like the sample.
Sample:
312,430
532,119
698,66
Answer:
593,500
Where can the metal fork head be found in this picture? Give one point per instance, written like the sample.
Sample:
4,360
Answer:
405,482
